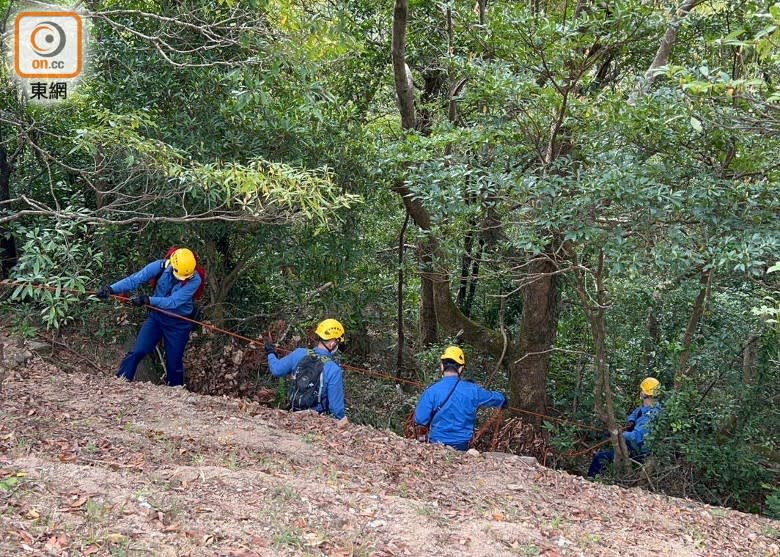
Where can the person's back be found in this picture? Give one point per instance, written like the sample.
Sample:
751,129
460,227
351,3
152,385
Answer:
449,406
330,381
642,419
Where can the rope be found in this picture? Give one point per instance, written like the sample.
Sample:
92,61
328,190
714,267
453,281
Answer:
363,371
493,422
586,450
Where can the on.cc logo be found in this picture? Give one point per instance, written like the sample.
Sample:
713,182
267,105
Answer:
48,45
48,39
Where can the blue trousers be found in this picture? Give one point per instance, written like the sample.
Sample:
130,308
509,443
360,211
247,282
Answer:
175,332
605,456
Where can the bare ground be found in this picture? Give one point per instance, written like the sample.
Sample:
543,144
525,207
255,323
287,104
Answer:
90,465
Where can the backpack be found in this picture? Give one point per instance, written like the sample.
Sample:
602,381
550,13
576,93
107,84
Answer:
200,269
306,389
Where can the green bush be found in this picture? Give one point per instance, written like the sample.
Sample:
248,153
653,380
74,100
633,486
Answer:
56,263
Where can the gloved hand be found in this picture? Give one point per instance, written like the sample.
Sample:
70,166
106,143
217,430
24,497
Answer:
140,300
104,292
269,349
629,426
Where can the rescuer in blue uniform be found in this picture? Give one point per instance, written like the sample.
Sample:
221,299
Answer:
176,285
640,422
330,387
449,406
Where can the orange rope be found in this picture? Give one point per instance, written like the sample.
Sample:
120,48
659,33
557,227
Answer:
492,422
585,451
348,367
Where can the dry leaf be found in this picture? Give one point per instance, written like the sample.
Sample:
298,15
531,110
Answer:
22,535
90,550
78,502
57,543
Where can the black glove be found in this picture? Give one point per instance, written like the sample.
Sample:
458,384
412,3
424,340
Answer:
629,426
269,349
140,300
104,292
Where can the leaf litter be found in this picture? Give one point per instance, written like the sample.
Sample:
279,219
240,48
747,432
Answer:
90,465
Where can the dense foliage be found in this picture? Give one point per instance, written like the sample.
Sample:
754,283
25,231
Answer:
549,141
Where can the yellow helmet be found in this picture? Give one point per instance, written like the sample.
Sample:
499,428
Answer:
455,354
330,329
650,386
183,263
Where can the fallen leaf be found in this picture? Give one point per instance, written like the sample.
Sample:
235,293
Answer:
260,542
22,535
57,543
78,502
90,550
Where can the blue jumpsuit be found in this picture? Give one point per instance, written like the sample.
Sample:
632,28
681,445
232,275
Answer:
173,296
453,423
332,400
642,418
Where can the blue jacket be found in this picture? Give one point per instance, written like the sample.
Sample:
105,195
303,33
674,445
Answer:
642,418
170,294
332,378
454,423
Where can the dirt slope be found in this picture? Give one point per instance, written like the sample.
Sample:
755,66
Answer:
90,465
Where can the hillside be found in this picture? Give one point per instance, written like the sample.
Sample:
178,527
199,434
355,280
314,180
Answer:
90,465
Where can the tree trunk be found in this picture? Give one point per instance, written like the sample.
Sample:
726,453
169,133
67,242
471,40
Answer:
474,278
452,319
749,355
400,367
653,339
404,88
539,323
8,255
604,405
664,50
595,311
465,269
404,85
683,369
